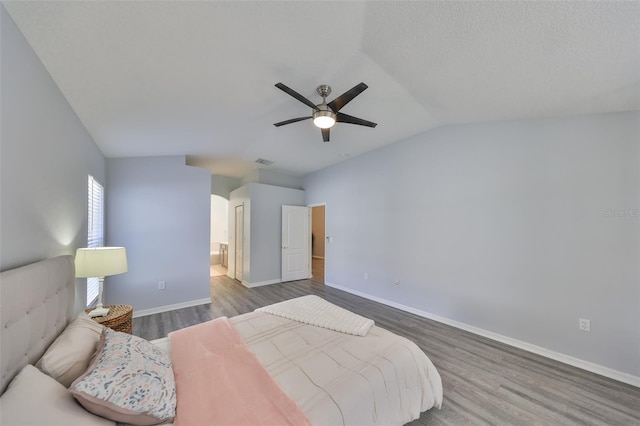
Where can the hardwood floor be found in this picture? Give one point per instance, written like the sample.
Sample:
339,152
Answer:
216,270
485,382
317,270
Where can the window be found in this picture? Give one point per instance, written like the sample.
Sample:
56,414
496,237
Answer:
95,230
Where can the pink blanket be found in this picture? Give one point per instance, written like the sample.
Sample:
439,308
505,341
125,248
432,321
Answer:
219,381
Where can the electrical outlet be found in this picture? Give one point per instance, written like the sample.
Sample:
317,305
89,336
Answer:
162,285
396,283
584,324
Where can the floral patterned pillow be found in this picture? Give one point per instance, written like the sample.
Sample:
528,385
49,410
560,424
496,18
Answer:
130,380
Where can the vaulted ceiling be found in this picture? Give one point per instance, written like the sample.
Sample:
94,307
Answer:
197,78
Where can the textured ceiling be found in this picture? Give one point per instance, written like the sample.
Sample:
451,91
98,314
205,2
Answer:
197,78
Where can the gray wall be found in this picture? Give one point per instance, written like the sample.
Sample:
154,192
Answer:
158,208
269,177
266,229
263,230
518,228
45,157
223,185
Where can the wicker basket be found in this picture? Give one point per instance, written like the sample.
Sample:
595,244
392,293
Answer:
119,318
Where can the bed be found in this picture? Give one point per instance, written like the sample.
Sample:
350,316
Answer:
331,377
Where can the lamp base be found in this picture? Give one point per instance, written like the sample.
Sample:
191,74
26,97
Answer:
98,312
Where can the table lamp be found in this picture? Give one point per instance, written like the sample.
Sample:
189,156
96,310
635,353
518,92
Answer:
100,262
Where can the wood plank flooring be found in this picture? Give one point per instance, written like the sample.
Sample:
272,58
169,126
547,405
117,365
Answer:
317,270
485,382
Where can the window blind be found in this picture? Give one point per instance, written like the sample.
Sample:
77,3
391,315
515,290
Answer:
95,230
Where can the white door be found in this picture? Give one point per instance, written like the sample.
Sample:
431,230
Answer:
296,244
239,240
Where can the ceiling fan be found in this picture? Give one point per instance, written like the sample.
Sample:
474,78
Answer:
325,115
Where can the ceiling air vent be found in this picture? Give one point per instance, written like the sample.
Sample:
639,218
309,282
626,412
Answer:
263,161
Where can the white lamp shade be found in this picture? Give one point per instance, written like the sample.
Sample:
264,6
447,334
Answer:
100,261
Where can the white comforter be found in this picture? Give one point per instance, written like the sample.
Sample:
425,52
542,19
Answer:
336,378
341,379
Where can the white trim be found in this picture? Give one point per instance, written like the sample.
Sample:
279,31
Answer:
260,283
166,308
566,359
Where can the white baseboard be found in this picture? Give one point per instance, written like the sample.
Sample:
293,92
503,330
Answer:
260,283
557,356
166,308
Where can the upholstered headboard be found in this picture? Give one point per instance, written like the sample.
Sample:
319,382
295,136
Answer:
36,303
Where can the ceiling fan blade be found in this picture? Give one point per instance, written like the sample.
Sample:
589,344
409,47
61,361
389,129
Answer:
344,118
325,135
293,120
296,95
337,104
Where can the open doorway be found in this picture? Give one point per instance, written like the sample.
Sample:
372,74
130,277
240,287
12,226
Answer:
317,243
219,236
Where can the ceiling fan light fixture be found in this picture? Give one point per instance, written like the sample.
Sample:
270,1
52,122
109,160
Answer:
325,115
324,119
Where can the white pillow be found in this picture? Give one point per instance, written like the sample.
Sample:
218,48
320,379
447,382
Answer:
69,355
33,398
